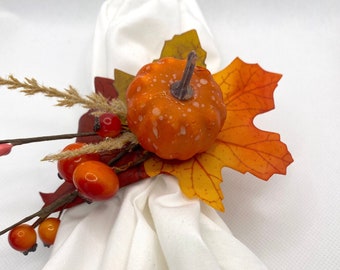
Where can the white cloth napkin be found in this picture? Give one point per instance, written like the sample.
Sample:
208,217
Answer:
148,225
131,33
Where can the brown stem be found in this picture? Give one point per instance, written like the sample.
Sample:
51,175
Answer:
122,153
182,89
47,138
45,211
133,163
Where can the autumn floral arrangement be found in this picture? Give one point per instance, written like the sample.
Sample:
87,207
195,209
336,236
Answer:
172,117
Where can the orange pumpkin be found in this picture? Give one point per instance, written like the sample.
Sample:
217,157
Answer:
175,108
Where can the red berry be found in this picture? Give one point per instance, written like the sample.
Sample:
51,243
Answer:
66,166
95,180
109,125
23,238
48,230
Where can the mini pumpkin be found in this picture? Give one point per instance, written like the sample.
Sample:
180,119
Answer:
175,108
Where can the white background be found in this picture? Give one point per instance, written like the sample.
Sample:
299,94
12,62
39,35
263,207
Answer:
290,222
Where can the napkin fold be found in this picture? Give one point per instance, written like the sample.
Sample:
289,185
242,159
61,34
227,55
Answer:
150,224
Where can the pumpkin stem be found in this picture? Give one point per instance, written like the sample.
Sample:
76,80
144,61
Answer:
182,89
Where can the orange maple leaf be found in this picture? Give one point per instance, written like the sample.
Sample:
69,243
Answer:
247,91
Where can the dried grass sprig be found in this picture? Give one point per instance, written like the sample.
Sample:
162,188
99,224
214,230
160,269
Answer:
106,145
67,98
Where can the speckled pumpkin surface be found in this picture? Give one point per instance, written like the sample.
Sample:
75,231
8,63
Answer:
169,127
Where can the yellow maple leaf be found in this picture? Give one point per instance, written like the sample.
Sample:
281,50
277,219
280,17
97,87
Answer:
199,176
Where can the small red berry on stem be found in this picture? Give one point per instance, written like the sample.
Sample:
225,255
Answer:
108,125
5,148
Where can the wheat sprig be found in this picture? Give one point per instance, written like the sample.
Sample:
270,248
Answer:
67,98
106,145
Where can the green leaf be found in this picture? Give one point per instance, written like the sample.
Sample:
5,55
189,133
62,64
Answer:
181,45
122,82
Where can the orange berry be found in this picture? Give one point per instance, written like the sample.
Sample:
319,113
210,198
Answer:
23,238
95,180
48,230
67,166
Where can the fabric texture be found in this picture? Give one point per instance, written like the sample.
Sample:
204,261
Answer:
148,225
130,34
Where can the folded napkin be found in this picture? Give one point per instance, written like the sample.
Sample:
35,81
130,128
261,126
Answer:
131,33
150,224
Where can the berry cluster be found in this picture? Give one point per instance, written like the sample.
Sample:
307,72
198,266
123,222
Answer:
92,179
23,237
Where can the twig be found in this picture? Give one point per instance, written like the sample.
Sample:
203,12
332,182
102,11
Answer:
46,138
46,211
122,153
130,164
